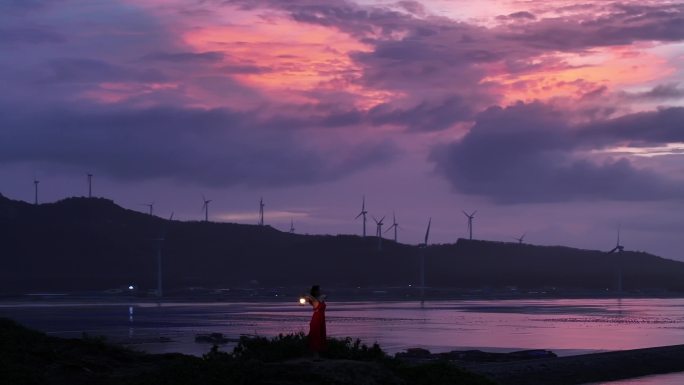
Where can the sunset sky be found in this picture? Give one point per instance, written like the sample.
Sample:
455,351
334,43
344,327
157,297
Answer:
559,119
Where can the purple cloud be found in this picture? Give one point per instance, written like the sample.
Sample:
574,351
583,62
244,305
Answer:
186,57
30,35
659,92
527,153
216,147
83,70
651,128
522,15
622,25
426,116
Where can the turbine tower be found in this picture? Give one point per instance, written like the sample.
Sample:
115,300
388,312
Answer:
160,242
394,226
363,214
470,223
619,249
378,232
292,228
90,185
261,211
35,184
422,248
150,206
205,207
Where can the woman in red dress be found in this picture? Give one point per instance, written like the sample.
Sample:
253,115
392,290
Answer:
317,325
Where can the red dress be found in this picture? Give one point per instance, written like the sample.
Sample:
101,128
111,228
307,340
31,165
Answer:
317,329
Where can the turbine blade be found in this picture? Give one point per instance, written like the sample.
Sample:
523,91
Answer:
427,233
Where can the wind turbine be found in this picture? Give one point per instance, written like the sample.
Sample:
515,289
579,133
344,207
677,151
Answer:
522,237
261,211
292,228
619,249
470,222
90,185
35,184
363,213
160,241
378,232
394,226
205,207
150,205
422,248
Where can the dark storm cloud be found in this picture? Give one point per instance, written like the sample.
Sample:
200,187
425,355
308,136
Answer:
30,35
186,57
660,92
83,70
527,153
207,147
434,115
522,15
665,125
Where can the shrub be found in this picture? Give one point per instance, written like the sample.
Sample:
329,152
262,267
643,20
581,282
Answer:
349,349
280,348
289,346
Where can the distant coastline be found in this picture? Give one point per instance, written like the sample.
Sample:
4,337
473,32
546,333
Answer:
93,245
339,294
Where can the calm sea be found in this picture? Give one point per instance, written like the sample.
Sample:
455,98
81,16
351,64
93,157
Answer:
566,327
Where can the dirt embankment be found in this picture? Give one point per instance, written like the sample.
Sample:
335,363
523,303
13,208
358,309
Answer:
585,368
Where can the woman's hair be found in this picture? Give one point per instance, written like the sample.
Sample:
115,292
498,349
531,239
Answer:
315,290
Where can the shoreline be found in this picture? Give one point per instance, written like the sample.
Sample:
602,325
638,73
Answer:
585,368
291,297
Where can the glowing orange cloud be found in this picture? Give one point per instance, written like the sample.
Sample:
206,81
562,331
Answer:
293,57
614,67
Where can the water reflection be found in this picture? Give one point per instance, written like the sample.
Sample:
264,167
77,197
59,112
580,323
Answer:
564,326
130,321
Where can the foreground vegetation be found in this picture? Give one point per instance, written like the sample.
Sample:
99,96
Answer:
30,357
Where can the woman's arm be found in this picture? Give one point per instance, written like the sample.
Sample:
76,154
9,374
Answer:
312,300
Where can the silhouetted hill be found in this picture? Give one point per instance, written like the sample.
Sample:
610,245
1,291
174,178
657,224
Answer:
93,244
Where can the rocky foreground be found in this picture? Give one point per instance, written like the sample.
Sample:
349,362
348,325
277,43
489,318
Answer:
31,357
